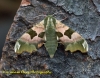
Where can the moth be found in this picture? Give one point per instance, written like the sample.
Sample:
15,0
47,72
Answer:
49,33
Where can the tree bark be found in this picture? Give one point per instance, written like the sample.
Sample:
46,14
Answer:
82,16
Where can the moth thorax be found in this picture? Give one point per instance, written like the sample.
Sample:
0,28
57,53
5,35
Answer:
50,26
50,23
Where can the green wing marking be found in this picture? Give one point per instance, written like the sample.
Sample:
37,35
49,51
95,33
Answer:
41,35
79,45
69,32
21,46
59,34
32,33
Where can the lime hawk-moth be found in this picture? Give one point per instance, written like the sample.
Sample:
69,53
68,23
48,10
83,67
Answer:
50,32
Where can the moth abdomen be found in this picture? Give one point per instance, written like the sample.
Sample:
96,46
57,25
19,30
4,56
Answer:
51,47
51,42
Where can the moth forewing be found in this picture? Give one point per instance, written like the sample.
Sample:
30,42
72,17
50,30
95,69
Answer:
30,40
71,39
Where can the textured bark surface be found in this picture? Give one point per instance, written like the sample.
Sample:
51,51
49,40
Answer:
82,16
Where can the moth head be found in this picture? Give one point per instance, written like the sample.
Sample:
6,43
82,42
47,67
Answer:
49,21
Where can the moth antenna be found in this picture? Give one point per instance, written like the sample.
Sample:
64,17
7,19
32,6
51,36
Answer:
40,16
51,14
63,19
58,13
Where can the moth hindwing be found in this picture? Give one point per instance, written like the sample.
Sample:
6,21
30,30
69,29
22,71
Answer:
50,31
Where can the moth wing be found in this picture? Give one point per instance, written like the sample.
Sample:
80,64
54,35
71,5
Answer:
71,39
31,40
